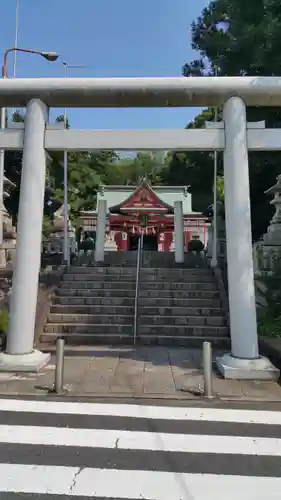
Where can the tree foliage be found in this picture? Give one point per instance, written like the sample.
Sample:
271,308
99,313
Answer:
86,172
234,37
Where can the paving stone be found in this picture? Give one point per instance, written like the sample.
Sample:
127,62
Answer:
128,376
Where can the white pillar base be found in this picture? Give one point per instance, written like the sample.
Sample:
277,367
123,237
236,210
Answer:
32,362
246,369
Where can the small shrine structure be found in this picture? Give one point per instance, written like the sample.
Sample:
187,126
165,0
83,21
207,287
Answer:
147,209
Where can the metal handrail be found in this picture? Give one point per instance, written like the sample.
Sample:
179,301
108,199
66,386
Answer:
140,245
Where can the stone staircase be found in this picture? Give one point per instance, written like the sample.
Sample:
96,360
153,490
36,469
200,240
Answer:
177,306
93,305
180,307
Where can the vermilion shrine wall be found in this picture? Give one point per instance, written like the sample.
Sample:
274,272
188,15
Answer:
118,231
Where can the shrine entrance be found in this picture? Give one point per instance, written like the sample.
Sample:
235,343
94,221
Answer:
148,210
133,242
150,243
233,135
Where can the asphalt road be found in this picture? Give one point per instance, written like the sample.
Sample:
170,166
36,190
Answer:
55,450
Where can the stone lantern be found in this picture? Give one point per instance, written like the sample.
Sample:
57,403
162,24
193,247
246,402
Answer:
8,248
267,252
273,234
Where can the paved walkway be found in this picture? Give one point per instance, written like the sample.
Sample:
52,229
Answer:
147,372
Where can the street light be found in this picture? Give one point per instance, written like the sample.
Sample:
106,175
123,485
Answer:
49,56
66,253
16,36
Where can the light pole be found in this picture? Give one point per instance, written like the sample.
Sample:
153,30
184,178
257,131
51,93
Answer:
49,56
66,253
16,37
214,259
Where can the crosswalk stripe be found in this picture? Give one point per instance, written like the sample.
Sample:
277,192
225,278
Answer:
104,483
142,460
132,440
143,412
57,450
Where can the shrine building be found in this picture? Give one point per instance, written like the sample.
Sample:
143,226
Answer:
132,210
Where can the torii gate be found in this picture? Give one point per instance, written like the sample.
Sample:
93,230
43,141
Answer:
233,136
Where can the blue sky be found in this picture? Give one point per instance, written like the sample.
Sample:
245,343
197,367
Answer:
112,38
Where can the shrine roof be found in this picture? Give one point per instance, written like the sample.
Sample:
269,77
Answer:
116,196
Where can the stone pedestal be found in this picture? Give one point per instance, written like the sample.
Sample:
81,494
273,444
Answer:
110,243
247,369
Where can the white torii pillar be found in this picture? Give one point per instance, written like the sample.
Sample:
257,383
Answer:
20,354
179,232
244,362
100,231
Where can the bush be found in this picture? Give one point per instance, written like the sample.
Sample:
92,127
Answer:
4,321
268,326
195,246
87,245
269,317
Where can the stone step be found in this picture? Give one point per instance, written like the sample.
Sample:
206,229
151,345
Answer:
98,285
189,342
179,302
107,329
178,278
167,321
144,310
178,294
80,339
99,277
153,259
88,328
97,309
128,271
89,341
170,271
95,293
93,301
147,302
132,271
183,330
103,319
171,285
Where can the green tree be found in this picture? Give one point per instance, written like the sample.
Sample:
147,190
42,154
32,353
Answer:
242,38
131,170
194,168
86,171
83,182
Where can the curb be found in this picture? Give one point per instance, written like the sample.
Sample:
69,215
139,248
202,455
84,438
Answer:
156,397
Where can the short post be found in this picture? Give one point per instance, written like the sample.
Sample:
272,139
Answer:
59,366
207,367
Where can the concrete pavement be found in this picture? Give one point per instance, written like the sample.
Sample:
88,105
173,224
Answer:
137,372
54,449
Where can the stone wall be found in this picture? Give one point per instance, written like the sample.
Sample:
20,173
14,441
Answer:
48,282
